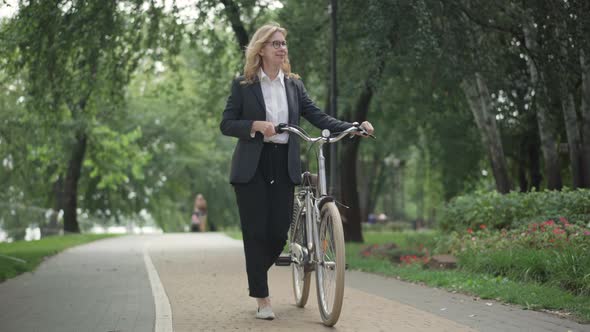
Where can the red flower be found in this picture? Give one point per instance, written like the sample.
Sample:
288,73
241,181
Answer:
469,230
482,226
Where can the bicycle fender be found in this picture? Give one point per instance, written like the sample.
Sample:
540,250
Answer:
323,200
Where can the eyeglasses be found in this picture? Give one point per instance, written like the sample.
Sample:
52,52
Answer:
277,44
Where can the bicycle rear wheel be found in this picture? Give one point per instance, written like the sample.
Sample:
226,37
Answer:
330,271
297,237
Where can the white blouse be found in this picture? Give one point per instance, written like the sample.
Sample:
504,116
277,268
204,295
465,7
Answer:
275,100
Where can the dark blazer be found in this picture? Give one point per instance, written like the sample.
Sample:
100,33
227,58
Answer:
246,105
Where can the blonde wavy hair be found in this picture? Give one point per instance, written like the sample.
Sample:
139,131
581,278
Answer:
254,60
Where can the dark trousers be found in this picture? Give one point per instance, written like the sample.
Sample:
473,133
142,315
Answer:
265,205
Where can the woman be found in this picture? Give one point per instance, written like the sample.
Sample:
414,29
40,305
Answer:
265,165
199,216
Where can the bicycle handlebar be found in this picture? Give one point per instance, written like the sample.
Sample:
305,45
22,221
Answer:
326,138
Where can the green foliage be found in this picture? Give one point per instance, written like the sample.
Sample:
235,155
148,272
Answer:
514,209
115,156
68,66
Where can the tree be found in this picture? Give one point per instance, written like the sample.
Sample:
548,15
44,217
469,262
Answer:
478,98
76,59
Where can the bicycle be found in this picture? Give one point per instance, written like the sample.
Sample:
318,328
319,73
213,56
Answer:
322,248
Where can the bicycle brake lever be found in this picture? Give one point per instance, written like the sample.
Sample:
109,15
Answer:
366,134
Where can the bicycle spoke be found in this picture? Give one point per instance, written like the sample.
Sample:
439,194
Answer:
299,267
329,264
300,276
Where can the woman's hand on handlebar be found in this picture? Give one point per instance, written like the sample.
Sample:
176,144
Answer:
264,127
367,129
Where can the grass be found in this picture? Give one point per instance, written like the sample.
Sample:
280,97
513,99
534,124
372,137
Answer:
22,256
530,295
567,268
234,234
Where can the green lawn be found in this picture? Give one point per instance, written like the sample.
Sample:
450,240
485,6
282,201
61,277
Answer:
22,256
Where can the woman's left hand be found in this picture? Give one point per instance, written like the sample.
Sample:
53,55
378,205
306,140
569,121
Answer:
368,127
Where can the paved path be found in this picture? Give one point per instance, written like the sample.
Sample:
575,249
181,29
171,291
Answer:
102,286
129,283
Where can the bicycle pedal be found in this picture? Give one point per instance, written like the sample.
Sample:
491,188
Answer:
283,260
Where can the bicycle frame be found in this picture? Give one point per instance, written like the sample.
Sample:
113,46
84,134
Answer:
312,203
324,249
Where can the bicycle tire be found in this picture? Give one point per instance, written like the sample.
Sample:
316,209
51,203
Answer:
330,272
301,278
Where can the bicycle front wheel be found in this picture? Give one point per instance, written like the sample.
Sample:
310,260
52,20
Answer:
330,270
301,277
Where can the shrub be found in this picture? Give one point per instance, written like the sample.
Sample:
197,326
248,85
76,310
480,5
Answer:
515,209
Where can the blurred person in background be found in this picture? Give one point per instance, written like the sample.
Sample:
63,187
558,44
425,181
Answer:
199,216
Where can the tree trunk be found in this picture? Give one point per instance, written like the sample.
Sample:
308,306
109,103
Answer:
350,197
390,200
372,179
534,164
348,180
400,185
568,107
420,184
232,11
573,138
364,189
585,111
523,182
529,167
480,103
522,179
548,144
57,192
349,194
70,192
376,183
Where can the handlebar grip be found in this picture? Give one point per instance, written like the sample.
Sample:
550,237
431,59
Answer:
279,128
363,131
